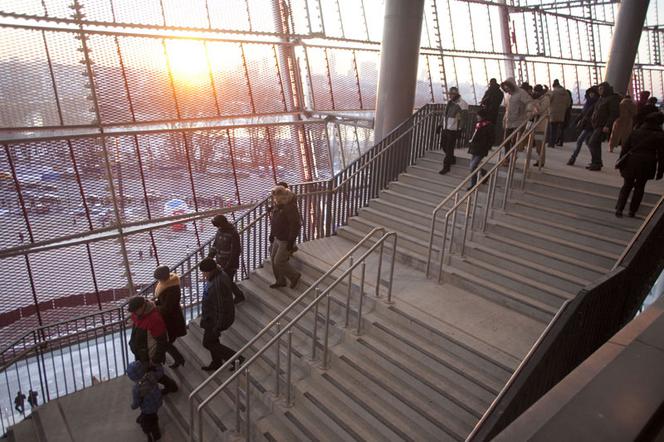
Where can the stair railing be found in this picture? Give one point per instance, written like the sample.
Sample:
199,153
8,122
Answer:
462,187
274,329
471,197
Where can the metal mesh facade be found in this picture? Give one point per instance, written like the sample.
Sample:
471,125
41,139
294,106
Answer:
116,114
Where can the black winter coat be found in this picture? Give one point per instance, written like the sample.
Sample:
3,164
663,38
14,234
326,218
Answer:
167,297
285,222
218,310
482,139
645,147
226,248
642,113
607,110
491,101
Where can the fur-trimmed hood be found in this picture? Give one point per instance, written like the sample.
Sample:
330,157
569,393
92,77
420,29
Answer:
282,195
173,280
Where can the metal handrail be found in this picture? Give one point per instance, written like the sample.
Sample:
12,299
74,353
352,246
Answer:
287,329
638,233
276,319
491,175
518,371
460,188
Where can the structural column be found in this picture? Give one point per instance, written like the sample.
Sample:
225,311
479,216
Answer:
399,55
625,43
506,37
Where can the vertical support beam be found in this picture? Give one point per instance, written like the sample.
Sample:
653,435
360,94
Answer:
504,25
399,56
625,43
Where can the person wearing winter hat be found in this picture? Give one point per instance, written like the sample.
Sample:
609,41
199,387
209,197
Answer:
167,298
226,249
149,338
283,234
146,396
217,313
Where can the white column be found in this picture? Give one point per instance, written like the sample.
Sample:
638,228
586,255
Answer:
399,55
625,43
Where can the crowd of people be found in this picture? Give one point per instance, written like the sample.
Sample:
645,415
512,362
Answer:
158,323
636,127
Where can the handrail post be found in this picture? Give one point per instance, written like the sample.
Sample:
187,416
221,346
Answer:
359,311
238,419
394,258
442,249
315,332
350,289
247,406
327,331
380,267
289,399
454,217
465,224
277,385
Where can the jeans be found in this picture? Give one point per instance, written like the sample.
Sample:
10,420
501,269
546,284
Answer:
639,185
595,146
474,163
583,136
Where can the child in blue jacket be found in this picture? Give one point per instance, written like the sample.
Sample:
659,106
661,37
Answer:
147,396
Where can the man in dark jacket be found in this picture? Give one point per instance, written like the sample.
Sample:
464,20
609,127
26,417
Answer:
606,110
285,229
583,122
226,250
480,143
217,313
642,160
167,298
149,337
491,101
450,127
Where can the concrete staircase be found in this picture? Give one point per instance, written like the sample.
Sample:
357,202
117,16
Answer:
410,375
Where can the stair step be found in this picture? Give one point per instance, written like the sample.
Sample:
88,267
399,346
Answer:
501,295
607,227
24,431
604,260
596,210
546,274
570,234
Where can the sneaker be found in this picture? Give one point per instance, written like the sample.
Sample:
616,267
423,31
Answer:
294,282
276,285
444,170
239,297
570,162
594,167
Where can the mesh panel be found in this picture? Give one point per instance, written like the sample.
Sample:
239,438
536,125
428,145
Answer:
221,19
191,77
149,85
289,159
265,84
230,81
253,162
91,166
320,157
346,95
109,267
57,8
353,19
262,15
30,7
53,280
110,87
48,187
423,89
98,10
322,96
149,13
141,259
190,13
127,179
367,66
298,19
331,19
28,99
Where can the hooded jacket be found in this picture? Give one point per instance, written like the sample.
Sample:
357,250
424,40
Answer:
148,336
167,297
645,147
145,392
515,106
482,139
584,118
285,217
226,248
607,108
217,310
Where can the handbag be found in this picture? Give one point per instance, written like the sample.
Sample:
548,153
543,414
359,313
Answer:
622,160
